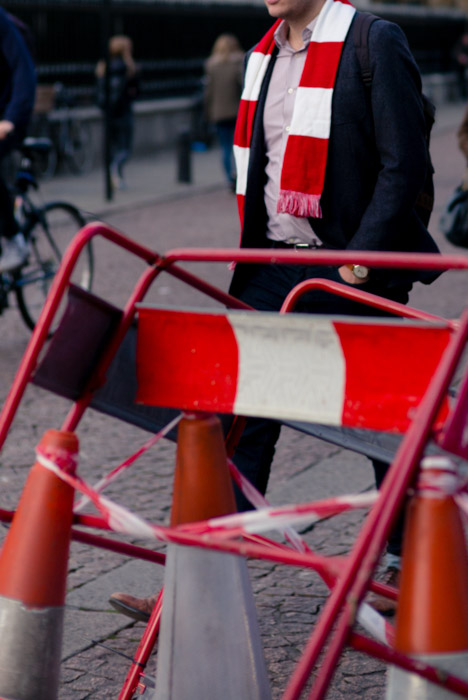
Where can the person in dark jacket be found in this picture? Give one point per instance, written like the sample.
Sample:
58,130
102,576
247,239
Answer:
123,89
17,94
324,164
321,163
462,137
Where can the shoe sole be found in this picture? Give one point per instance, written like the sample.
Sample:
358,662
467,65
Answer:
127,610
385,613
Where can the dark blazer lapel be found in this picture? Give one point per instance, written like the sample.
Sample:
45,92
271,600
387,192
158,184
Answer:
254,213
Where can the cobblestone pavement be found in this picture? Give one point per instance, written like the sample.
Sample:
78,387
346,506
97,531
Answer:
288,600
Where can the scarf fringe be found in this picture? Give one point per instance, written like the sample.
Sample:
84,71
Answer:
299,204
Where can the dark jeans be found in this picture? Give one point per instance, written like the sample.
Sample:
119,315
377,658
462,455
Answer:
225,130
121,141
266,291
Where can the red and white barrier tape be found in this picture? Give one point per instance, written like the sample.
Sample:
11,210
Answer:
367,616
112,475
225,527
120,519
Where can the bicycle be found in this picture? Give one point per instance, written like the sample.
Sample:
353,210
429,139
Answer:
71,138
47,228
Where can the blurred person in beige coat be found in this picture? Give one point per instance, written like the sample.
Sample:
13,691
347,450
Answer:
462,135
223,88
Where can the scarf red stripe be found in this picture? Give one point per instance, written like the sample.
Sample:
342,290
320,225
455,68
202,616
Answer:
297,173
305,159
244,124
321,65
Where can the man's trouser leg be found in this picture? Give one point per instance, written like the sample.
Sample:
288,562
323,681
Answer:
266,291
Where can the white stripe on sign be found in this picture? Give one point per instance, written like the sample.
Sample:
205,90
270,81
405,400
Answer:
284,362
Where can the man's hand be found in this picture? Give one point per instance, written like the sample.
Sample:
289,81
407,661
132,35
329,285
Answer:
6,127
348,276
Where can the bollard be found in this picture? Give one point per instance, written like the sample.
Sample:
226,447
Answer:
184,160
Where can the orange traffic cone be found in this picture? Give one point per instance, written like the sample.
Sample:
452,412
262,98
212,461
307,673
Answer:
202,482
432,616
33,571
210,645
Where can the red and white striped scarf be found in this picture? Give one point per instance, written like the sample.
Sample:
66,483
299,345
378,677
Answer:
305,158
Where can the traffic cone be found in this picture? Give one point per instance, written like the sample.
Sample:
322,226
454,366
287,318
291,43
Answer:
432,615
209,646
33,572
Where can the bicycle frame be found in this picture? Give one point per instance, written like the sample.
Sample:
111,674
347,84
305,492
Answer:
349,577
9,281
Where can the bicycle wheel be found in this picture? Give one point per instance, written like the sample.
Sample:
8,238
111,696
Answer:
78,147
48,239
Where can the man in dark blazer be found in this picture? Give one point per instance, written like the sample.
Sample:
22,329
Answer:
376,163
374,169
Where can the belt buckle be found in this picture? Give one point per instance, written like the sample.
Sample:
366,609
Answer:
307,246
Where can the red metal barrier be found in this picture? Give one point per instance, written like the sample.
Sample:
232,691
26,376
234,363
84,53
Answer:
351,575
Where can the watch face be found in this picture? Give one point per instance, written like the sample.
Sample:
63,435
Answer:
360,271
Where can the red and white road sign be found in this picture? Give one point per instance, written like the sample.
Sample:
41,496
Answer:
336,371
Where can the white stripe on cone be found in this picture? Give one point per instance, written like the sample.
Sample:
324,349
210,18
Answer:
210,645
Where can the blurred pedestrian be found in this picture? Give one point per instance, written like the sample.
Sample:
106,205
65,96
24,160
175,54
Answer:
123,90
223,72
460,55
17,94
453,222
462,135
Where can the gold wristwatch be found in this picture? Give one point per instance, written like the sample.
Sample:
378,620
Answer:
359,271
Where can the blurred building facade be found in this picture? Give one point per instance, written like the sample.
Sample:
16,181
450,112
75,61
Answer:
173,37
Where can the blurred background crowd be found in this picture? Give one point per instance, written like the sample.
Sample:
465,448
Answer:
173,61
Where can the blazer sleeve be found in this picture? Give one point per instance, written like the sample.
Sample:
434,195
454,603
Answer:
399,132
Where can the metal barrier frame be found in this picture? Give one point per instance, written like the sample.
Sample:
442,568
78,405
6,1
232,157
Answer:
348,577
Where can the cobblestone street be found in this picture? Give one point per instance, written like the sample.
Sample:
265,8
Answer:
289,600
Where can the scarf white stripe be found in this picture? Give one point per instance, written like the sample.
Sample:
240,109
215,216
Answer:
317,101
311,116
333,22
254,75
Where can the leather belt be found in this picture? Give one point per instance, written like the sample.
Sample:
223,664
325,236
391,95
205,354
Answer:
296,246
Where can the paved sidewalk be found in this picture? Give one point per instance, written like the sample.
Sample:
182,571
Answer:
150,179
162,212
153,178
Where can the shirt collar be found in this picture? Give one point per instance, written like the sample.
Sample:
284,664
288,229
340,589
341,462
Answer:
280,35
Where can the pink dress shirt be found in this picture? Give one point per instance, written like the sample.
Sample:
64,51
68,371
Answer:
277,116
